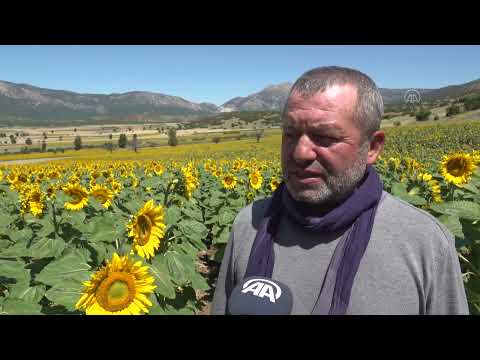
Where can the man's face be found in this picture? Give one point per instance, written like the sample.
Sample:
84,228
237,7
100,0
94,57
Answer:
322,154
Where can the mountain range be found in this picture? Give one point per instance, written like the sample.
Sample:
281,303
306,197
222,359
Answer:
23,102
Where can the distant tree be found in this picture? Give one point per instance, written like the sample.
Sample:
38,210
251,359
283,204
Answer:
16,134
149,127
172,137
53,131
216,139
135,142
28,141
122,141
44,146
258,134
60,138
144,128
129,128
12,139
114,129
44,134
472,102
423,114
75,130
436,118
5,150
453,110
109,146
77,143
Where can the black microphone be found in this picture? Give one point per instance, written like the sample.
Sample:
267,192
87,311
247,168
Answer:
257,295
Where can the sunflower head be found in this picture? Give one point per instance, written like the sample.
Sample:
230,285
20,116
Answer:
457,168
79,196
102,194
121,287
256,179
274,183
229,181
147,228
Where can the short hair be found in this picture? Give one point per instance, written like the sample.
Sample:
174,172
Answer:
368,110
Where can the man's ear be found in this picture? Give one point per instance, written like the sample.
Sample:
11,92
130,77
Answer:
377,142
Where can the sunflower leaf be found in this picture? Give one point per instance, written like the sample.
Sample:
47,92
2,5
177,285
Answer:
16,250
21,307
453,224
104,229
24,291
46,247
14,270
180,267
70,266
21,235
162,278
6,220
463,209
66,293
172,215
226,217
195,231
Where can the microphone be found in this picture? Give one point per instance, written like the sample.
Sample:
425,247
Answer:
257,295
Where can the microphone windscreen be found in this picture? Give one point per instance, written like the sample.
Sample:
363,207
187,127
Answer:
259,295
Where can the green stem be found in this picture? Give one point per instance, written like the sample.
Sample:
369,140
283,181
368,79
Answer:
55,223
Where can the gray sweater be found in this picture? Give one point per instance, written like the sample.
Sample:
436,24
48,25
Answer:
409,267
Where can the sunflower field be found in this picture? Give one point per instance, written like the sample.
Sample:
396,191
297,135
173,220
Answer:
146,236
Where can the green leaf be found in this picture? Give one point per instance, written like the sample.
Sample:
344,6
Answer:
21,235
199,282
413,199
470,187
218,257
66,293
6,220
399,189
195,213
104,229
226,218
47,247
25,292
453,224
172,215
163,281
463,209
14,270
223,236
180,267
46,229
215,202
75,218
21,307
195,231
71,266
16,250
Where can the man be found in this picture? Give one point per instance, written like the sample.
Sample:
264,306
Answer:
330,233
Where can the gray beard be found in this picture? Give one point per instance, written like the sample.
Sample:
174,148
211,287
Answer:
335,188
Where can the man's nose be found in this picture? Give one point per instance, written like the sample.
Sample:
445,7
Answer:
304,150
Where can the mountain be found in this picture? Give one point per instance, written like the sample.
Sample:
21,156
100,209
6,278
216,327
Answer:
272,98
23,104
26,102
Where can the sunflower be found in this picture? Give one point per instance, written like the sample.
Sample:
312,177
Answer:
1,175
102,194
457,168
250,196
147,228
229,181
435,190
32,200
79,194
116,186
256,179
217,172
121,287
425,177
274,183
158,169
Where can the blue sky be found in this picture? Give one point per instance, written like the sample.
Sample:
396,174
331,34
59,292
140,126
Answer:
218,73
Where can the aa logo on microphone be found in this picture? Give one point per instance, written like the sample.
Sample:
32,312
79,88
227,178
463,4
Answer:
262,288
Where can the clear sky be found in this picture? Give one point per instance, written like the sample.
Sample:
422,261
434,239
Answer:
218,73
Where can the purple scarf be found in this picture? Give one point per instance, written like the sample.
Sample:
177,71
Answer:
356,213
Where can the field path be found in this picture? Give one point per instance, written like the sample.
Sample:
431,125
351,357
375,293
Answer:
31,161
